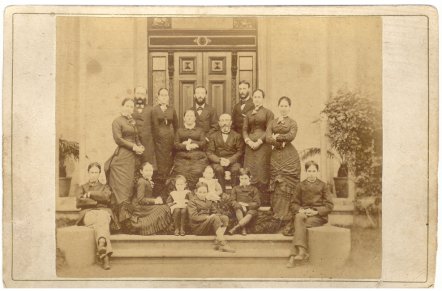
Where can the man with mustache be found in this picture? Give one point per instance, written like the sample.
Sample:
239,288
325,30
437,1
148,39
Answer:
143,117
243,107
206,116
225,150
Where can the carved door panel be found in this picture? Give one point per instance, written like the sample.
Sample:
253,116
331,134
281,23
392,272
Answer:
181,72
211,70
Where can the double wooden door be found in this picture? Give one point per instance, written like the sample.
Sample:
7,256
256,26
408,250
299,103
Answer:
212,70
182,72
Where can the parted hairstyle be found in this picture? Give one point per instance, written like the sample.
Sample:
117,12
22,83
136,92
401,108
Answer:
94,164
311,163
259,90
161,89
286,99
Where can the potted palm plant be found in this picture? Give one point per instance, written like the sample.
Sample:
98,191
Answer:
66,150
341,181
354,127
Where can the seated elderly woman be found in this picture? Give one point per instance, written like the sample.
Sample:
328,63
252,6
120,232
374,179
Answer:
190,157
94,200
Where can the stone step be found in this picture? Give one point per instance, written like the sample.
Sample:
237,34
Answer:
265,245
204,252
326,244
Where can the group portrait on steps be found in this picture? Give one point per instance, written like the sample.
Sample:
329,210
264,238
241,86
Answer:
208,177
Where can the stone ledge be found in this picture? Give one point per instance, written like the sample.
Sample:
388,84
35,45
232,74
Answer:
236,237
199,253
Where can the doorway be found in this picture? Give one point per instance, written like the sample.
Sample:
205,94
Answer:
218,71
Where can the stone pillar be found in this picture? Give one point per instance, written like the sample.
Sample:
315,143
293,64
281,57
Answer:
171,69
263,56
234,74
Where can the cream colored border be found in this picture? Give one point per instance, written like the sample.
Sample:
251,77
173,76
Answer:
33,153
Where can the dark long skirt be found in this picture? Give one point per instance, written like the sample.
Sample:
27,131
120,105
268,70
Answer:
164,150
145,219
285,173
258,161
121,174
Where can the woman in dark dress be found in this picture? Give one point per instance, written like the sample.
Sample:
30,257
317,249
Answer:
146,213
190,158
257,154
120,168
165,124
285,167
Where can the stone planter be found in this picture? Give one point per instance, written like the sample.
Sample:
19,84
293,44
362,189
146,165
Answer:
64,184
341,187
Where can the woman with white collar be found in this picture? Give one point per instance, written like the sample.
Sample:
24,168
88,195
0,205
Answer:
285,167
190,157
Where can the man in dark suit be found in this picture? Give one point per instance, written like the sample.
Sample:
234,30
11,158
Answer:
243,107
225,150
143,118
206,116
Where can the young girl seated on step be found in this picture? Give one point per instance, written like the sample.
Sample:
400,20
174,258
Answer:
245,201
310,204
145,214
177,202
215,189
204,218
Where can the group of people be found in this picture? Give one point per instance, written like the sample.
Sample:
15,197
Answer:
208,177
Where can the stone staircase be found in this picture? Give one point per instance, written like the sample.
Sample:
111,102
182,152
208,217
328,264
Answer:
254,252
258,246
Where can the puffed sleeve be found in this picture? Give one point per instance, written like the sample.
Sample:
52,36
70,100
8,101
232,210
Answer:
290,136
117,132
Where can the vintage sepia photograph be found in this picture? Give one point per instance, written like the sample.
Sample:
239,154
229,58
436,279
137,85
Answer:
232,147
279,146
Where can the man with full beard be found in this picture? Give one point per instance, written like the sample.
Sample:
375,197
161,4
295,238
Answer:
225,150
243,107
206,116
